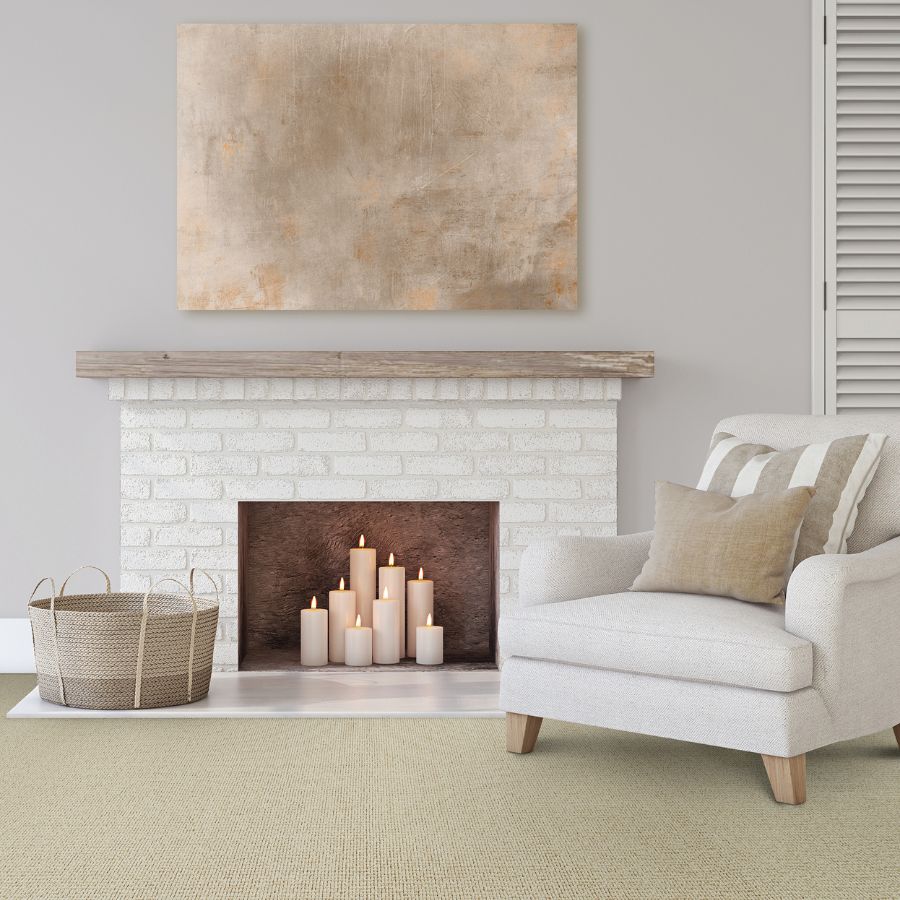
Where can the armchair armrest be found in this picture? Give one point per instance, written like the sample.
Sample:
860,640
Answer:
848,607
568,568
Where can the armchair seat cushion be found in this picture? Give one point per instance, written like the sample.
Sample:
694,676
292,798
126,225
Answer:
688,636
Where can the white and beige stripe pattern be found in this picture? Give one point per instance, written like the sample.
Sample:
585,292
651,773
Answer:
839,470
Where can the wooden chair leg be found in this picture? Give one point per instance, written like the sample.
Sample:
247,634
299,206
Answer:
521,732
787,775
897,734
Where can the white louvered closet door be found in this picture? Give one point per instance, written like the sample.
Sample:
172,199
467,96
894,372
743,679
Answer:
862,206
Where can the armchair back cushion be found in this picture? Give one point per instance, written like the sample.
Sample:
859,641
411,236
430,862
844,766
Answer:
878,517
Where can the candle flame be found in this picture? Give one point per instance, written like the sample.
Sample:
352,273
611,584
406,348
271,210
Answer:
362,540
391,560
358,620
313,605
421,574
342,583
428,621
385,595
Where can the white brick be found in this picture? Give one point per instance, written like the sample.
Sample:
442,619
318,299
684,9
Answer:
153,558
135,440
137,389
522,512
400,389
209,389
364,389
448,389
333,442
367,418
600,488
546,441
153,464
547,488
259,489
332,489
402,489
368,465
520,389
135,536
193,441
187,535
587,530
596,464
613,388
295,465
260,441
225,656
567,388
185,388
438,418
304,388
503,537
473,389
233,389
135,489
224,465
281,389
496,389
582,512
584,417
256,388
403,441
224,418
523,535
600,440
133,416
162,388
504,584
543,388
304,417
153,512
510,557
116,387
134,582
511,418
188,489
328,388
218,558
474,440
593,389
224,511
512,464
474,488
231,537
425,388
439,465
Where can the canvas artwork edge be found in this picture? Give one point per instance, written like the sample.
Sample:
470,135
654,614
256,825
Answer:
377,167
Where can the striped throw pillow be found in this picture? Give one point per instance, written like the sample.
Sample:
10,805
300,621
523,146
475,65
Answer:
839,470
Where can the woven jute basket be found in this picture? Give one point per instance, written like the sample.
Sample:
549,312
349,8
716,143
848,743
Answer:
123,651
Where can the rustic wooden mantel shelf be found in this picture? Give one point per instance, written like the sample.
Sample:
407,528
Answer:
364,364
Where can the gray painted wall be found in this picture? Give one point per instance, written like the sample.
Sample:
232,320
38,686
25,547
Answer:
695,236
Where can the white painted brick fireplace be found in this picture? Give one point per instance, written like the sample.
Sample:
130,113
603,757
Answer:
192,447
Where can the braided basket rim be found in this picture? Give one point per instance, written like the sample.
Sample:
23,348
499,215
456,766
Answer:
106,605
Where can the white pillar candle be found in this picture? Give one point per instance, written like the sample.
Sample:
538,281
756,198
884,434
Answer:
362,579
385,630
341,615
358,645
393,578
313,636
429,644
419,605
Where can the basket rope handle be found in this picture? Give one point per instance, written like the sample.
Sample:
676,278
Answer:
59,678
209,577
145,612
212,581
62,589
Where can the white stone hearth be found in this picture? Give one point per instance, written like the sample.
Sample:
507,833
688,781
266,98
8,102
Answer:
192,447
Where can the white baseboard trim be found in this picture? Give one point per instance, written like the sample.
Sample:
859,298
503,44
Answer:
16,650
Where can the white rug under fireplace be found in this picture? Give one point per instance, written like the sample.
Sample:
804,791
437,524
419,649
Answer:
395,694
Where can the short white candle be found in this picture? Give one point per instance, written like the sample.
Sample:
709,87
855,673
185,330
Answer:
362,579
393,579
313,636
341,615
385,630
429,644
358,645
419,605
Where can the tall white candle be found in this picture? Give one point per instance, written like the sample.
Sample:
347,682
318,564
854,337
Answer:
393,579
341,615
358,645
385,630
429,644
313,636
362,579
419,605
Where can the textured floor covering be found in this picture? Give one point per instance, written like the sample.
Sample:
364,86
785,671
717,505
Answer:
353,808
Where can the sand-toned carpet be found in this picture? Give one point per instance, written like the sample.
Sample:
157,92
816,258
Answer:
422,808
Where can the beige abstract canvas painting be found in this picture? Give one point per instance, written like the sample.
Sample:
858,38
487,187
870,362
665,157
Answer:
367,167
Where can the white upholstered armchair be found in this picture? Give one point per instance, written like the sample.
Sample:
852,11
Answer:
777,681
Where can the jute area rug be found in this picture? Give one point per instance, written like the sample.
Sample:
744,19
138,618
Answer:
425,808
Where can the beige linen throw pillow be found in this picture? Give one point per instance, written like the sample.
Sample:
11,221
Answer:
705,543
